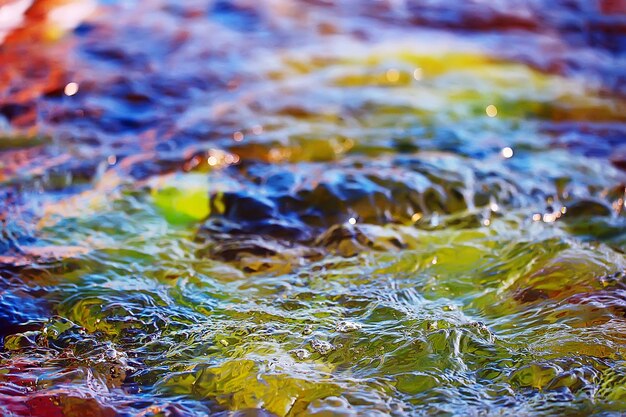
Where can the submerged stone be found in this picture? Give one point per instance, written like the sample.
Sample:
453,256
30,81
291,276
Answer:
348,326
322,347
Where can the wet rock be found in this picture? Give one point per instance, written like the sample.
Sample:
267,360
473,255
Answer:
297,202
21,341
594,220
530,295
241,213
537,375
587,208
348,326
618,158
322,347
344,240
332,201
243,207
301,354
235,249
598,228
349,240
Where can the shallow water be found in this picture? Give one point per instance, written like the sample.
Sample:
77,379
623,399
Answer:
311,209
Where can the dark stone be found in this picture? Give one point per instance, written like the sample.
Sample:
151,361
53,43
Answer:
587,208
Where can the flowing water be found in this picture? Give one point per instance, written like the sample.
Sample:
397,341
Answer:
313,208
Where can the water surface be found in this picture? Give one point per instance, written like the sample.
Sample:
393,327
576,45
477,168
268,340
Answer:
313,208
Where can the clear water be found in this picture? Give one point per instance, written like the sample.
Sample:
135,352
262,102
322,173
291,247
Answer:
312,209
